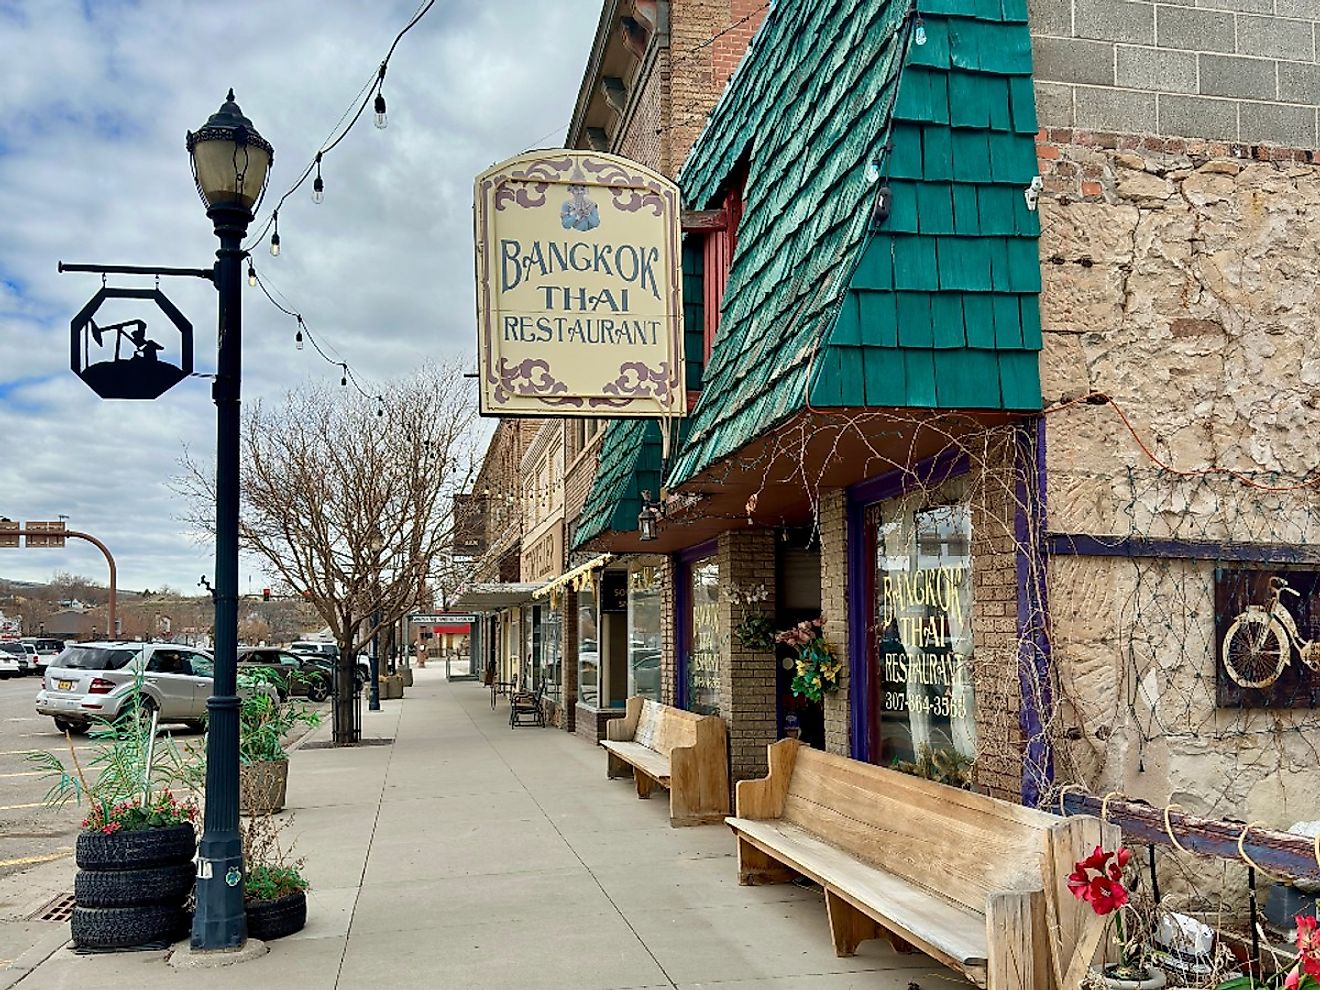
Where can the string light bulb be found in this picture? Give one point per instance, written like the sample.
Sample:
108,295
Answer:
343,378
381,119
252,275
298,340
919,35
275,237
318,187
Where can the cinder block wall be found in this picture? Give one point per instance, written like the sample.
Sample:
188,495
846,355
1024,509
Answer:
1229,70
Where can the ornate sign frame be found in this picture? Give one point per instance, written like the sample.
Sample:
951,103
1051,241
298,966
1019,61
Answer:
579,288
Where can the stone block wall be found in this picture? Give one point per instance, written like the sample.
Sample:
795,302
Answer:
834,605
1228,70
748,680
1180,281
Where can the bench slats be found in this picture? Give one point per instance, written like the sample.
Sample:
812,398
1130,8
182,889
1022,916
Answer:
648,761
938,927
978,848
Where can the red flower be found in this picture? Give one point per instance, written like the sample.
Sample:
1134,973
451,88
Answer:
1099,882
1308,945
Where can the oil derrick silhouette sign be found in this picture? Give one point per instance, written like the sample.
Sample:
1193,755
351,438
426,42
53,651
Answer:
125,360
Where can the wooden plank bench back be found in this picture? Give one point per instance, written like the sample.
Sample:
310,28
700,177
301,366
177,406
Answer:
680,750
926,856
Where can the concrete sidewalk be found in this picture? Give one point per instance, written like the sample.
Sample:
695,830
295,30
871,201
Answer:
470,855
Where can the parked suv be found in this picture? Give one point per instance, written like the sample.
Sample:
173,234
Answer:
13,659
295,673
46,650
91,681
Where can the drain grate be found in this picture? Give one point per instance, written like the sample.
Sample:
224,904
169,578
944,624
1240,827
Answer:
58,909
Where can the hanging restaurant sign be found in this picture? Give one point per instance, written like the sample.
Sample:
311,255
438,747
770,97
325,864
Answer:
579,288
1267,634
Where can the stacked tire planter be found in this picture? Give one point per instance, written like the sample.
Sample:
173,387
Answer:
275,919
132,888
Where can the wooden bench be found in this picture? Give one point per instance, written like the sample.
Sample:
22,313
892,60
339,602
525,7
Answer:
976,883
685,752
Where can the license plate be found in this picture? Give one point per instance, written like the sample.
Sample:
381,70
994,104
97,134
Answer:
64,685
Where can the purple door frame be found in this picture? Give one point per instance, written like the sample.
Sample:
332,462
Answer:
932,471
1034,660
683,617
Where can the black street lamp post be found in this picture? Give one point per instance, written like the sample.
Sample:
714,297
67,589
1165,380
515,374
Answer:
375,544
231,163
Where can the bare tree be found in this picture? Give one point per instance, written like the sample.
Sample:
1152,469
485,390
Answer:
349,500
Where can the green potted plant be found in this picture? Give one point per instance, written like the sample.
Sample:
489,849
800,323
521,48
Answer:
135,850
263,723
274,887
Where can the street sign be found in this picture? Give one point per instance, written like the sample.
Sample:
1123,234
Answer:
135,369
9,532
443,618
45,535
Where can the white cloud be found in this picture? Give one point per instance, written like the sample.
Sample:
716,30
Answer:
97,96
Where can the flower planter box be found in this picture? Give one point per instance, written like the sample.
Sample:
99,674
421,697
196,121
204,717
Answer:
275,919
132,886
263,786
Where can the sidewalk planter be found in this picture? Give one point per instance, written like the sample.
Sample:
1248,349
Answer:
407,676
132,886
263,786
275,919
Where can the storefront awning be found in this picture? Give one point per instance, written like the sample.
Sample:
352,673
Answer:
489,597
574,578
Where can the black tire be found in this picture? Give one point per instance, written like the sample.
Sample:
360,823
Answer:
196,726
275,919
126,927
73,728
133,888
138,850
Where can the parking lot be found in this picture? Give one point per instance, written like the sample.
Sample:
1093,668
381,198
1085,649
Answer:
30,833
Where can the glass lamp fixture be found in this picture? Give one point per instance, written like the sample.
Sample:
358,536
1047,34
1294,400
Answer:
230,160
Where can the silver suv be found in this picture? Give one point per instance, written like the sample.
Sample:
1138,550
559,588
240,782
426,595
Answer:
91,681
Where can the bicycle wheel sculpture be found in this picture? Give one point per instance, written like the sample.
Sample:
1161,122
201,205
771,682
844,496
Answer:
1255,651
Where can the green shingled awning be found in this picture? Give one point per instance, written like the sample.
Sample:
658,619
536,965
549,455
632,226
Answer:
932,307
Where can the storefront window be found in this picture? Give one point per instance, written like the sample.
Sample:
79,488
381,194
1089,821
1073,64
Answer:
924,705
704,658
588,647
644,633
552,651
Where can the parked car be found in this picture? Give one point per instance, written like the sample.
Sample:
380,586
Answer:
14,649
318,647
12,660
91,681
46,649
295,674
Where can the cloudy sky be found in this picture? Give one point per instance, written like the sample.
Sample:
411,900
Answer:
96,97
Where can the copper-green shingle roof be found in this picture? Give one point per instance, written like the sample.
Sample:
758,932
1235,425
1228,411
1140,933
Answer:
935,306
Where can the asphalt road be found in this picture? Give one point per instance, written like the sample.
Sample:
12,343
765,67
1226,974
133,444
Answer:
29,832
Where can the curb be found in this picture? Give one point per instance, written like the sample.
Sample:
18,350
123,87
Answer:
35,956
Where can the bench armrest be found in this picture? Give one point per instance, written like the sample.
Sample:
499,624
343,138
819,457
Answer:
764,797
624,729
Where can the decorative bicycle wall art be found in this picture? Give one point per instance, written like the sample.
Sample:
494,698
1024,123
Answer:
1267,634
